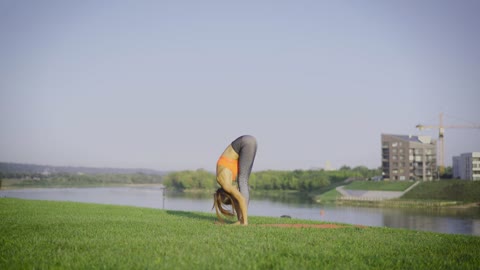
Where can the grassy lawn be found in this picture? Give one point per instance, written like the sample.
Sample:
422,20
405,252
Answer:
380,186
329,196
447,190
64,235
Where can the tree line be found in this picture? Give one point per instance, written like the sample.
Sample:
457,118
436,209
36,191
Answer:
66,179
301,180
9,169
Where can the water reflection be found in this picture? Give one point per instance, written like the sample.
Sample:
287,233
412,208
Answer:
291,198
450,221
296,205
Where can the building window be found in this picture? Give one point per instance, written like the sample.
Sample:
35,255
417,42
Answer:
394,144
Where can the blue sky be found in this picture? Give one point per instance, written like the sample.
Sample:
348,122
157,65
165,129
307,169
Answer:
169,84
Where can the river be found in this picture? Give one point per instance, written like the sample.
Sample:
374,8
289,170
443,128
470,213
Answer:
452,221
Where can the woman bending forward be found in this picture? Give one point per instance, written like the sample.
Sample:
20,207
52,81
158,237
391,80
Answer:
235,164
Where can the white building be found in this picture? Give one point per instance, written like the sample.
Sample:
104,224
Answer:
467,166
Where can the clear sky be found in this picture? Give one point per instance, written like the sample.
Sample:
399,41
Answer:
168,85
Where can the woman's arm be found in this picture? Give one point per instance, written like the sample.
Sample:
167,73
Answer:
223,179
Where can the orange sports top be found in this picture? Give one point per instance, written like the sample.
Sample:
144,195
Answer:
229,163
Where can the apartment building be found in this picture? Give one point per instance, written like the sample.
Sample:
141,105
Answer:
467,166
406,157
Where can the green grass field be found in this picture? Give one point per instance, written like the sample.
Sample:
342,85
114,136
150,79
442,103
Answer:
328,197
381,186
64,235
446,190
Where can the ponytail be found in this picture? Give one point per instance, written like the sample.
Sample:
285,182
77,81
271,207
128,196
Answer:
221,199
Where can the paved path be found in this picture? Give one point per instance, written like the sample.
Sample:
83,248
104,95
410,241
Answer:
372,194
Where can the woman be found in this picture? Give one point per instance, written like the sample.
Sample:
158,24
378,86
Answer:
235,164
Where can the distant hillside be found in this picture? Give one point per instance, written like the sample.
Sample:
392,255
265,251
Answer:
11,168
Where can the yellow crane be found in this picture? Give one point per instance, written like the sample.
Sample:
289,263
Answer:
441,140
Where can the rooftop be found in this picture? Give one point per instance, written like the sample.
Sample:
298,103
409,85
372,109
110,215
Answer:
412,138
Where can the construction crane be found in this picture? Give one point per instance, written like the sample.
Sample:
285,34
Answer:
441,130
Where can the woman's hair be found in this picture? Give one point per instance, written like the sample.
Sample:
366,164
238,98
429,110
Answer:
221,199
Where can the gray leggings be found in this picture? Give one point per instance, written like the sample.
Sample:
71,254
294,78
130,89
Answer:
246,148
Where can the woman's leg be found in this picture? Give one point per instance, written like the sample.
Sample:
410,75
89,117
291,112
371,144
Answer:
246,148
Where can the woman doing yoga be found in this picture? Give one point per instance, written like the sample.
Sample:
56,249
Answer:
235,164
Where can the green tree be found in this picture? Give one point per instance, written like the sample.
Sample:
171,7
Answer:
199,179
